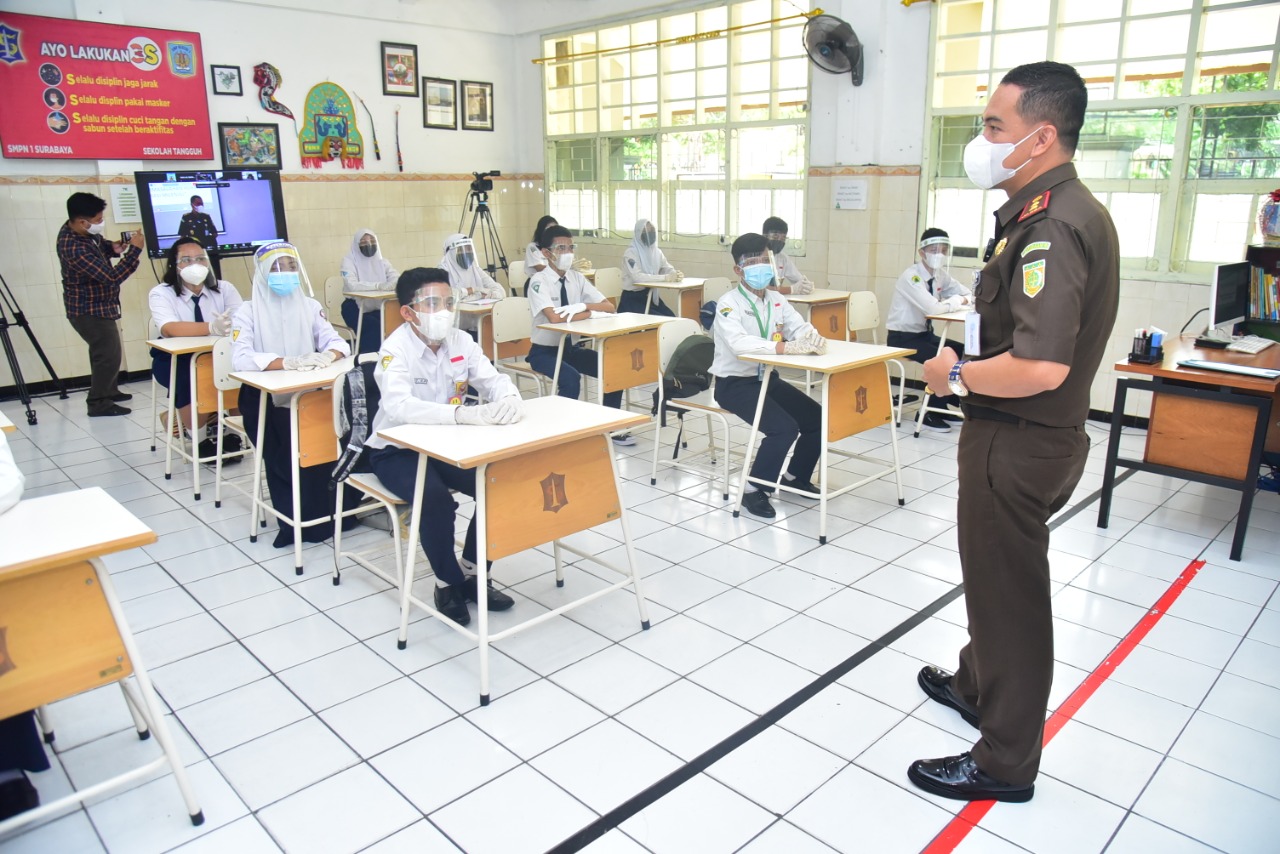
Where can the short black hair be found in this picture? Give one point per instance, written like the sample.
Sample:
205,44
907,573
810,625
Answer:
933,232
171,277
541,226
414,278
1051,92
84,206
193,200
774,223
748,244
550,234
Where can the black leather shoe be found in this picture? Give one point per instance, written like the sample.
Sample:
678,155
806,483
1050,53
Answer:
113,409
121,396
960,778
807,488
757,504
497,600
451,601
936,683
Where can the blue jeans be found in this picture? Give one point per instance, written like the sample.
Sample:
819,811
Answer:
577,361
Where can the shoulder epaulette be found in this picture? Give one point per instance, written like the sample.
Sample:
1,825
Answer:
1037,205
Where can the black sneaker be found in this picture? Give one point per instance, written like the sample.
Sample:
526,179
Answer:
757,503
807,488
451,602
121,396
207,449
933,421
953,416
497,600
113,409
906,398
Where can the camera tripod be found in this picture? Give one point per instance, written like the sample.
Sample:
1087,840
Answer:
479,202
9,307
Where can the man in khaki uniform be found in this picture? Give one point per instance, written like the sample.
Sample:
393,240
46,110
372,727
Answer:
1046,301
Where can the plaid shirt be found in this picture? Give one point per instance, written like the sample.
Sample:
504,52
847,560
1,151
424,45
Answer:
90,282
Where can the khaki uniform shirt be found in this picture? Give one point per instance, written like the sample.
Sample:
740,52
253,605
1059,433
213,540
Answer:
1049,292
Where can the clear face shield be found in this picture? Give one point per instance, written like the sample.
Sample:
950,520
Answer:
281,267
464,254
935,252
435,311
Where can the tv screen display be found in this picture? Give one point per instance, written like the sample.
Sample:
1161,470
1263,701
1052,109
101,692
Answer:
246,206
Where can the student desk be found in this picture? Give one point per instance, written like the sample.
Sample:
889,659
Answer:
547,476
946,320
626,352
688,295
855,397
311,438
389,307
193,346
481,310
828,311
65,629
1205,426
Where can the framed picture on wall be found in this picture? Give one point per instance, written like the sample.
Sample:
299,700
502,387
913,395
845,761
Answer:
226,79
439,103
246,146
477,105
400,69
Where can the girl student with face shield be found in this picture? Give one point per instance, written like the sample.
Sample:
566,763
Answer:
924,288
644,262
469,282
190,301
283,328
364,269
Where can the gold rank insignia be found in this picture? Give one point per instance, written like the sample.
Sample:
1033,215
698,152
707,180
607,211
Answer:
1039,203
1004,241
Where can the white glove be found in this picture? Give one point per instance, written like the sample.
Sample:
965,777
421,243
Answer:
568,311
679,276
583,264
804,286
298,363
508,410
673,276
221,324
323,359
815,340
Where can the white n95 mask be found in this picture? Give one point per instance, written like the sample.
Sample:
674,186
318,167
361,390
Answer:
984,160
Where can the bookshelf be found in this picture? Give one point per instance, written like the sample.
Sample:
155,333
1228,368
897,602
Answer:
1264,297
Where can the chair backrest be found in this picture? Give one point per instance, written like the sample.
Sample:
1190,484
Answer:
864,313
512,325
670,334
715,287
222,379
515,275
333,298
609,282
153,329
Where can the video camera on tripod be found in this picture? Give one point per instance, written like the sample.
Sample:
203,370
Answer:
478,201
483,185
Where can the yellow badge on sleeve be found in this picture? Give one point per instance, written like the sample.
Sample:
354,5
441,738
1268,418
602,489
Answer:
235,334
1033,278
386,360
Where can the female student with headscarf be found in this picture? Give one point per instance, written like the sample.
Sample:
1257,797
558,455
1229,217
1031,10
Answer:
644,262
190,301
469,282
364,269
534,260
283,328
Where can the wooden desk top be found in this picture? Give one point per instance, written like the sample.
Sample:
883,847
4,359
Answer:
951,316
547,421
1177,349
182,346
283,382
55,530
688,283
7,426
481,307
606,327
840,356
818,296
370,294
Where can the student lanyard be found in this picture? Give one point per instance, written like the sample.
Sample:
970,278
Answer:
763,324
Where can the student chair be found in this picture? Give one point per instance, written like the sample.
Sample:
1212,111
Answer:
609,282
227,393
511,326
715,287
333,307
153,332
864,315
515,277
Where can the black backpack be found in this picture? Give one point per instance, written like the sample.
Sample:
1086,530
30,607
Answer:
688,373
360,400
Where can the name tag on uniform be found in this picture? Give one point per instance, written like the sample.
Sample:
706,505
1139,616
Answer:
972,334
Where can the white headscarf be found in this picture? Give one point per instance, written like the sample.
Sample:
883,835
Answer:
650,258
458,277
281,325
371,269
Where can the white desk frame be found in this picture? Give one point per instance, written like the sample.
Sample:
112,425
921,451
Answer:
946,320
381,297
190,346
685,285
598,329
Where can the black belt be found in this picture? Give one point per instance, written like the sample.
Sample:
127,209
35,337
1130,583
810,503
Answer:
984,413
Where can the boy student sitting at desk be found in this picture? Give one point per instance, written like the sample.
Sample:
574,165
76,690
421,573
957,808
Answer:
557,294
751,318
790,279
423,373
925,288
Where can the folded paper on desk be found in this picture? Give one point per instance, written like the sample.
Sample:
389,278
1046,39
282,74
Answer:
1227,367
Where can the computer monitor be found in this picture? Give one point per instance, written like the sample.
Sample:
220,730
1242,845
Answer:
246,206
1229,298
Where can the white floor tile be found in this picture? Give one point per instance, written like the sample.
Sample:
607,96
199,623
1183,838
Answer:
701,815
1058,819
302,640
633,764
613,678
421,837
70,833
338,676
752,678
1209,809
740,614
534,718
386,716
1139,835
267,769
1245,702
319,819
244,836
471,757
1102,764
776,769
809,643
243,714
846,813
685,719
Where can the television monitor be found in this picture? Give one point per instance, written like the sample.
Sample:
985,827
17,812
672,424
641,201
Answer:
247,207
1229,298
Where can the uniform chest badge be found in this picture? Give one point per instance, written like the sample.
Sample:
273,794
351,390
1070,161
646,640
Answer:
1033,278
915,279
1004,241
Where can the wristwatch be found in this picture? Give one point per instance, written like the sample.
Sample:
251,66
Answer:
954,382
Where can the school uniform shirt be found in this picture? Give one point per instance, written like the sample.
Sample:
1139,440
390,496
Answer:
544,292
789,273
533,257
244,357
748,324
168,307
422,386
920,291
633,269
373,274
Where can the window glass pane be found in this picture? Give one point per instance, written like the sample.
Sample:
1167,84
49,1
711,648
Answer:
752,209
1135,216
575,209
680,112
751,13
584,71
1253,26
965,17
644,62
643,32
752,46
644,89
713,52
713,19
573,161
1072,11
584,98
631,204
964,54
952,134
1126,144
963,213
694,155
770,153
682,85
675,26
1154,78
751,108
1219,228
962,90
1021,13
585,122
791,105
792,73
1015,49
679,57
751,78
615,37
1157,36
712,110
789,41
633,158
699,211
1088,43
1241,141
615,66
613,119
1154,7
713,82
1234,72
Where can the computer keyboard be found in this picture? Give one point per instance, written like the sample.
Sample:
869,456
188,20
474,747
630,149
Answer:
1250,344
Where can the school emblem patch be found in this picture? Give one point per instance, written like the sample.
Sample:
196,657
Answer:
235,334
637,359
386,360
554,497
726,310
860,403
1033,278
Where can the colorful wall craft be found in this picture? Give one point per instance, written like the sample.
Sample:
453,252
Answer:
329,129
267,78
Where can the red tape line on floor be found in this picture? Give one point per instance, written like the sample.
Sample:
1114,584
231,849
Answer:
967,819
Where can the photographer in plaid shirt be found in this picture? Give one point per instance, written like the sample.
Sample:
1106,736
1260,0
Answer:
91,293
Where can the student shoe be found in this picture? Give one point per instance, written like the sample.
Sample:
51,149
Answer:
960,778
807,488
121,396
113,409
953,416
757,503
936,683
933,421
497,600
451,602
624,439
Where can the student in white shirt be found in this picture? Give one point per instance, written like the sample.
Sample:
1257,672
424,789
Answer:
190,301
364,269
557,294
924,288
424,370
644,262
751,318
790,279
283,328
470,282
534,260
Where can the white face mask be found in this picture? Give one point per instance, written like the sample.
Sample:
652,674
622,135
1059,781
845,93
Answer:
195,274
935,260
564,261
435,326
984,160
97,227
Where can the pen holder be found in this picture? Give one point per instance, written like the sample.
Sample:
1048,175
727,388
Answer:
1144,353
